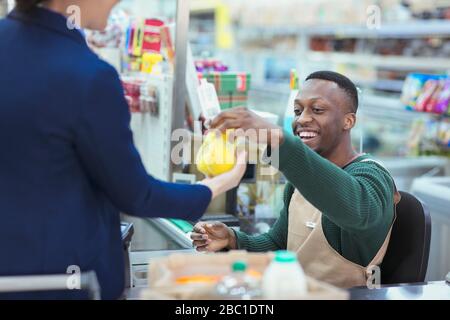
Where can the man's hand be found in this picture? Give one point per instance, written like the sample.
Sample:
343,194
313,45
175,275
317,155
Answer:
242,118
213,236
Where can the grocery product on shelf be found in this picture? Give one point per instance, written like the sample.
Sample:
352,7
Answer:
289,113
443,102
430,137
141,97
426,93
424,100
132,90
232,87
149,61
210,65
145,41
151,41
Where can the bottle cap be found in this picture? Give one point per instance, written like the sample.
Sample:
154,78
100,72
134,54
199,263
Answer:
285,256
239,266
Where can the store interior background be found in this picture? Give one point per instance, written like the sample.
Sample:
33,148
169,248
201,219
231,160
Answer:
377,44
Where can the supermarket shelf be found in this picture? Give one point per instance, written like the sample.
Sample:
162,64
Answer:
412,29
258,31
389,109
202,6
392,62
381,84
276,88
392,103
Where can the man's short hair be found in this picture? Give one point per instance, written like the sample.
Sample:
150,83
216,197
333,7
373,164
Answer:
342,81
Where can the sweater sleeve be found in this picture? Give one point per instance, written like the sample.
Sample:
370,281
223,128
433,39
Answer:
104,143
275,238
356,199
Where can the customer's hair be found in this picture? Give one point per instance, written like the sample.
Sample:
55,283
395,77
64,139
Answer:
25,5
342,81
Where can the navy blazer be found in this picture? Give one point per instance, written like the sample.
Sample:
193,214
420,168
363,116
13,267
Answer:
68,165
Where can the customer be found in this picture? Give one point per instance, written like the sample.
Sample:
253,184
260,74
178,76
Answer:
68,165
338,205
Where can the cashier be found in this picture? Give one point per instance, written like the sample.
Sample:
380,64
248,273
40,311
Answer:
68,165
339,206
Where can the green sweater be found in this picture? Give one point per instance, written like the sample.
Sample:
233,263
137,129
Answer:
356,202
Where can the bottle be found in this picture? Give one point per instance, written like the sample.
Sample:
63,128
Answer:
284,278
238,285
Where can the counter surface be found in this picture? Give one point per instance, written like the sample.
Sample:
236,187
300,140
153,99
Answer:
436,290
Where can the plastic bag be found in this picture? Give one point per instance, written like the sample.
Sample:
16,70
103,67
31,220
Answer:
216,155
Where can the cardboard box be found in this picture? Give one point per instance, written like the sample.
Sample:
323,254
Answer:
232,87
231,99
226,82
164,271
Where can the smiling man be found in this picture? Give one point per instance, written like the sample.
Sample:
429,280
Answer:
339,206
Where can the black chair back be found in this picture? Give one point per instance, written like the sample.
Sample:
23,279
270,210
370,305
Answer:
406,259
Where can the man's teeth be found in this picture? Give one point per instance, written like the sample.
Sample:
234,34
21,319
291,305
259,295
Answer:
308,135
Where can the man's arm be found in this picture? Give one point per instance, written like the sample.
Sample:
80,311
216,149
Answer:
354,201
216,236
275,238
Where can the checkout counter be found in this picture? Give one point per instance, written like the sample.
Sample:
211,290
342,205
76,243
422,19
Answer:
160,237
154,238
168,236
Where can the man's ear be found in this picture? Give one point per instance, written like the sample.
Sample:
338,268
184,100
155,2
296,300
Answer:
349,121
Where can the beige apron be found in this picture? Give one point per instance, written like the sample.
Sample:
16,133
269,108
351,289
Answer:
318,259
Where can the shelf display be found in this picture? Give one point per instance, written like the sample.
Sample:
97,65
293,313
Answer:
427,93
231,87
412,37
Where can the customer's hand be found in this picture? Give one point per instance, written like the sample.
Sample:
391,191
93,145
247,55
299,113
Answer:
212,237
228,180
245,119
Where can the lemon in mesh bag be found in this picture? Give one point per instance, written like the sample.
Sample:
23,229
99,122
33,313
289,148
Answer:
216,155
